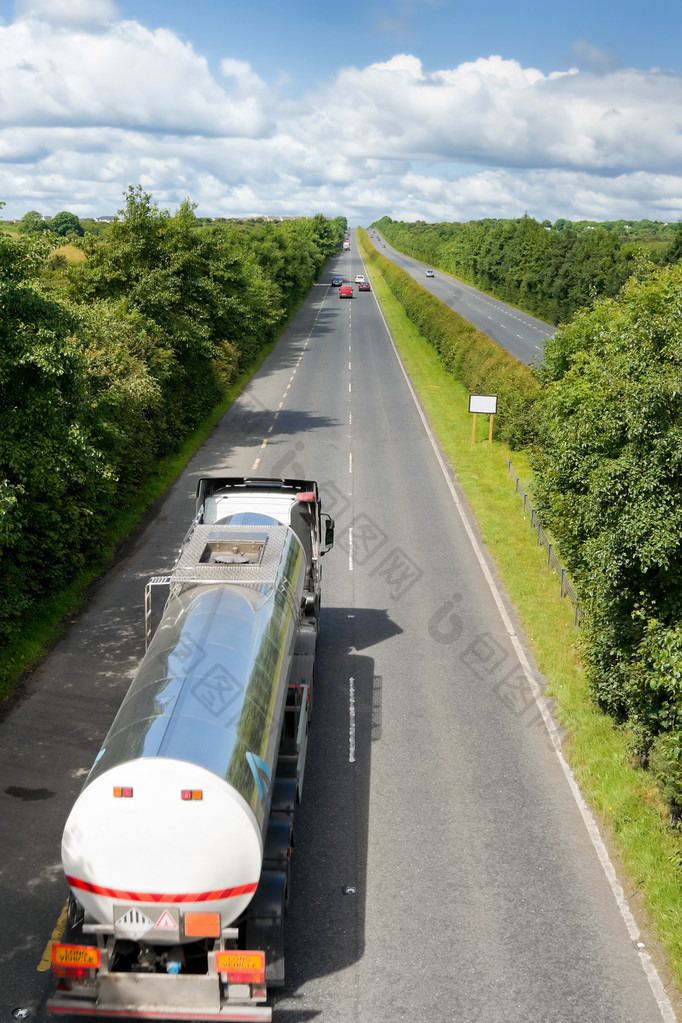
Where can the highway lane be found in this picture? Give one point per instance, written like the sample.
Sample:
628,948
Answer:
442,869
522,335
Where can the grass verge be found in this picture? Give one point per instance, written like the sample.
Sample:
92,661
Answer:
632,815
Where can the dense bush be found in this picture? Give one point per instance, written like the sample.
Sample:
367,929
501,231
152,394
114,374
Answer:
49,466
106,365
609,479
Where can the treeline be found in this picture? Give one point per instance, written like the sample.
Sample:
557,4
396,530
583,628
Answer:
608,462
601,417
551,271
63,223
108,364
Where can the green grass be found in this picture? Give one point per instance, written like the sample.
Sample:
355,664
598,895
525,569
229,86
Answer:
625,799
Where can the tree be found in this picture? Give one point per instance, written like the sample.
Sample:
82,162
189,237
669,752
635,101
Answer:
609,465
31,222
66,223
49,468
674,253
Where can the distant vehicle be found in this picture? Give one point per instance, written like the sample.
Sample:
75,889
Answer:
359,278
346,246
346,291
337,282
430,273
364,286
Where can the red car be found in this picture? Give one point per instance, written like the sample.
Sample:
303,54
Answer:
364,286
346,291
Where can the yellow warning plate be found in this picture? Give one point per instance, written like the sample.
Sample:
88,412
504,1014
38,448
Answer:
75,955
241,967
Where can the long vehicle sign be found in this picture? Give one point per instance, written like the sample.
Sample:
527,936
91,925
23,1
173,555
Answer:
241,967
75,955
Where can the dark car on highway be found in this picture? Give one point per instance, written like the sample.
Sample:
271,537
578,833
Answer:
337,282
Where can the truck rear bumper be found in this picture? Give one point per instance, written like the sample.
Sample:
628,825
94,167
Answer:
161,997
94,1007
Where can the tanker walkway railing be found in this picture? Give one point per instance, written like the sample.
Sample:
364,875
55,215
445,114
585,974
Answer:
553,562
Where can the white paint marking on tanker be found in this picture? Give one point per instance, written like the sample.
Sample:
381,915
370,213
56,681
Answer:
351,720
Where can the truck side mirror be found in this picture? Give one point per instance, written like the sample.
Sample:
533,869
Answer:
328,533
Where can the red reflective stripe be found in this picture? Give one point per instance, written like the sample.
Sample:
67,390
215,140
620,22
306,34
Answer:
114,893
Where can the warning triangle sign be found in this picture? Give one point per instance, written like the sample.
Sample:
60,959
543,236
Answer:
166,922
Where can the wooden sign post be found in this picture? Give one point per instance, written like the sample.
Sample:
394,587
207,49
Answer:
487,404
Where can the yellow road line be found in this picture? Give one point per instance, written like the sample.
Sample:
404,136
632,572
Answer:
57,935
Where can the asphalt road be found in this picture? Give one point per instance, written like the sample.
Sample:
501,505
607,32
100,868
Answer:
522,335
443,869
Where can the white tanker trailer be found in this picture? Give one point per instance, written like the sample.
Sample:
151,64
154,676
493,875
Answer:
177,850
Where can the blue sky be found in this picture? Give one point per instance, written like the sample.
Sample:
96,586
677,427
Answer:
308,41
419,109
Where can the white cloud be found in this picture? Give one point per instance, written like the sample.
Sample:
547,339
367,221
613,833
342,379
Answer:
88,109
124,78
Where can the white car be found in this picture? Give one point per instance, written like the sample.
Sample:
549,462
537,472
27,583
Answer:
430,273
360,279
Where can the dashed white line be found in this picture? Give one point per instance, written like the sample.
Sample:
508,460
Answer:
351,720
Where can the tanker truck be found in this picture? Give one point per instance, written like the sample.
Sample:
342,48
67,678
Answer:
177,850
